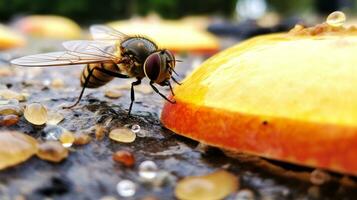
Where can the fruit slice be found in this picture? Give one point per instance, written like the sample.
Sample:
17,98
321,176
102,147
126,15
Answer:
290,97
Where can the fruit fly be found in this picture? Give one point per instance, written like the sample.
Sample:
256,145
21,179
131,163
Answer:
111,54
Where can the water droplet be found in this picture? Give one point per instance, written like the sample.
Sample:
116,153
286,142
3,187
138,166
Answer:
336,19
126,188
122,135
52,132
36,113
135,128
148,170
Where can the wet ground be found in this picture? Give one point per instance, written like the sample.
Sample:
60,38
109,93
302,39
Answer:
90,173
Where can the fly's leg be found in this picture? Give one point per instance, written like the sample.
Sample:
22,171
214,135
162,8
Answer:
132,93
157,91
117,75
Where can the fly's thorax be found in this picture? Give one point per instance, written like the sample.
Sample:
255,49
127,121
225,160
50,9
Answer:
138,48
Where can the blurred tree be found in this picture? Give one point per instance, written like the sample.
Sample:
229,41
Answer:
91,11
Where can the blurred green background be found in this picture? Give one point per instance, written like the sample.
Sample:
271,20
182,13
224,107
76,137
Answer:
92,11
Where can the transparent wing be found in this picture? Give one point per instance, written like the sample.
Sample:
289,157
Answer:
100,32
58,58
109,48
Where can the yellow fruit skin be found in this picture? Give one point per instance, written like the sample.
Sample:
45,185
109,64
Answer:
285,97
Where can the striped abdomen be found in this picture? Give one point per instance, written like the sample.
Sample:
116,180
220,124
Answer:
98,78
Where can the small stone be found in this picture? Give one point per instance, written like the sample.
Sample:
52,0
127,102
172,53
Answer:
52,151
145,89
15,148
244,194
148,170
54,118
9,120
124,157
319,177
67,138
57,83
113,93
9,94
82,139
126,188
216,185
36,113
52,132
122,135
10,109
100,132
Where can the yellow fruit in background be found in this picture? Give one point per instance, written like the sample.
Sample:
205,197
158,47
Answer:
49,26
10,39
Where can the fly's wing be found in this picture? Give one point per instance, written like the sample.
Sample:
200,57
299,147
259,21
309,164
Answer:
78,52
58,58
109,49
100,32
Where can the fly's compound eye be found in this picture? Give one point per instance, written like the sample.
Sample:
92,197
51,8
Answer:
152,66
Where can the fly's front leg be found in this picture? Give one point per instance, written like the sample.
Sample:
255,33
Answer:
132,93
157,91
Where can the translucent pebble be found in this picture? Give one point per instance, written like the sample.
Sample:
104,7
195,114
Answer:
57,83
52,151
8,120
336,19
9,101
10,109
244,194
82,139
67,138
148,170
9,94
126,188
122,135
216,185
319,177
113,93
135,128
124,157
15,147
36,113
54,118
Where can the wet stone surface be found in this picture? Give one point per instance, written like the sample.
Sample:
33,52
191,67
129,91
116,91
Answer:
89,172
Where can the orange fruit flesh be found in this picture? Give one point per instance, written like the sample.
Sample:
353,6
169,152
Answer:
282,96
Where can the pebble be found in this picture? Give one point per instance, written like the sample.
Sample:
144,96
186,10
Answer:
124,157
54,118
52,151
216,185
8,120
124,135
9,94
15,148
10,109
67,138
57,83
319,177
81,139
100,132
36,113
336,19
113,93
